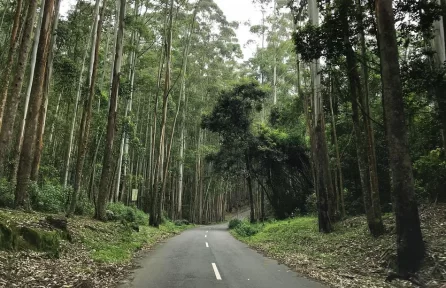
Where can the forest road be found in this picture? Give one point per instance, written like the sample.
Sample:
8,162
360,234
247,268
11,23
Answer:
209,257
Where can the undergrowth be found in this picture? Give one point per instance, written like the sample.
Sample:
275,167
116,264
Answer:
130,214
115,243
348,257
97,254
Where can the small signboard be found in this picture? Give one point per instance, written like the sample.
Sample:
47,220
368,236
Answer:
134,195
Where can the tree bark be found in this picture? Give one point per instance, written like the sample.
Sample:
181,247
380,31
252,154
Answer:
249,182
438,43
13,98
410,245
45,95
4,84
20,134
183,120
374,220
101,204
367,114
84,129
338,160
73,120
24,171
323,183
157,200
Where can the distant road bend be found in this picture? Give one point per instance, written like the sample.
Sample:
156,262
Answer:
209,257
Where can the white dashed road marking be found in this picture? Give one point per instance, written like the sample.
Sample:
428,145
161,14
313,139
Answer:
217,274
207,245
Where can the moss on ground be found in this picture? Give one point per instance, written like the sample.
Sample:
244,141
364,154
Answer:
13,238
100,252
108,242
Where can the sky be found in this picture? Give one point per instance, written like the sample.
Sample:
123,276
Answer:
242,11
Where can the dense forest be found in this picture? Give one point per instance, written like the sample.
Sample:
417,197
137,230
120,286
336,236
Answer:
340,111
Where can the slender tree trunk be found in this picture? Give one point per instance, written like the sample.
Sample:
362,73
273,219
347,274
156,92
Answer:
39,139
183,120
91,193
410,245
119,163
73,120
20,135
438,43
249,182
324,186
13,98
53,125
111,125
45,95
338,160
374,220
24,171
158,199
367,114
6,75
275,53
84,129
5,11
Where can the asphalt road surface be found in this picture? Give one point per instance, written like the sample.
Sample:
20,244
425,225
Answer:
209,257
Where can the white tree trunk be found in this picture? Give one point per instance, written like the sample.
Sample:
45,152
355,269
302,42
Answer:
32,68
93,39
314,67
50,140
183,120
438,41
78,96
275,54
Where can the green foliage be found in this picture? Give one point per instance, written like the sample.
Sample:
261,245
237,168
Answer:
281,162
48,198
128,214
231,116
6,194
181,222
246,229
234,223
84,207
430,176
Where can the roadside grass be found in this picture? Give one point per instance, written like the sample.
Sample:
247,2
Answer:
348,257
116,243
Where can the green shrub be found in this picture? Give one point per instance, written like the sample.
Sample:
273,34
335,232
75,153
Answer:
234,223
48,198
84,207
128,214
312,203
6,194
165,218
246,230
181,222
430,177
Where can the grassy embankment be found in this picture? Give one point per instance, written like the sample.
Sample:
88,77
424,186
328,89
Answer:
88,253
348,257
